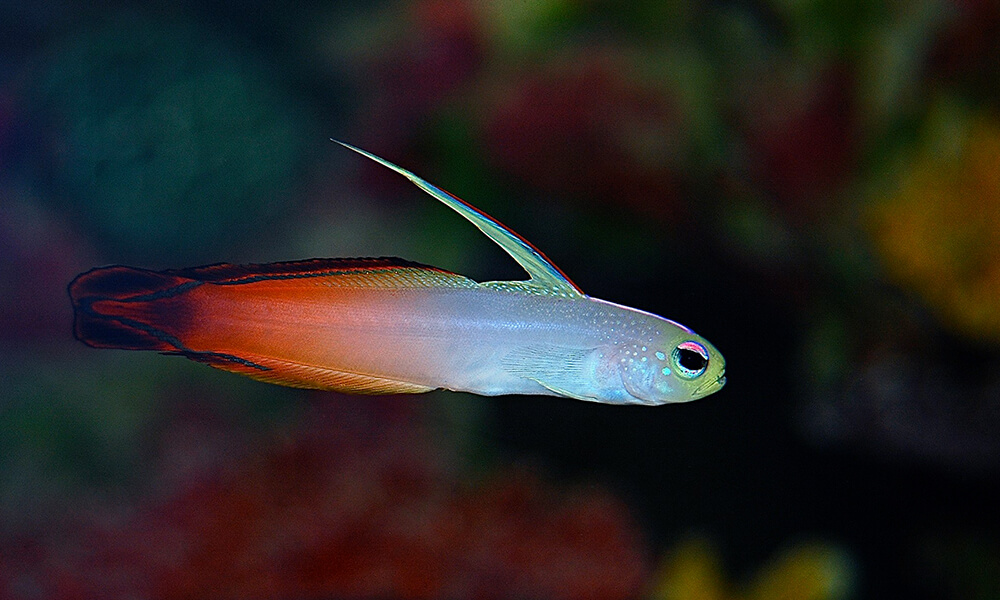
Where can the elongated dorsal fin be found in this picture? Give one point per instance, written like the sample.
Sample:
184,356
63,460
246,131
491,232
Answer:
542,272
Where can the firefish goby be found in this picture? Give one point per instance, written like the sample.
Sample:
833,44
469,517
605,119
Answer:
388,326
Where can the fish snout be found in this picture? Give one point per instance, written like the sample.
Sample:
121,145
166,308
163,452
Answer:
710,387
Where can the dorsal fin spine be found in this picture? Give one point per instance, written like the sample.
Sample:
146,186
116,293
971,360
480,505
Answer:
542,271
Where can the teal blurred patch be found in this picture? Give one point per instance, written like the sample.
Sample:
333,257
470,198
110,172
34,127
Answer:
166,139
69,424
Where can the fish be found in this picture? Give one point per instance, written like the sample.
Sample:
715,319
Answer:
392,326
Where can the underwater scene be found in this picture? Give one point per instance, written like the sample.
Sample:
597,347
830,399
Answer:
813,186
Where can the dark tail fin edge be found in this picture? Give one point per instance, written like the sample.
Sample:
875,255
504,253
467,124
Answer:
113,307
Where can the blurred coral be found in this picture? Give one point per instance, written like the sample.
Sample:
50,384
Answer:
429,51
802,138
938,233
166,135
360,503
530,26
586,126
968,51
807,571
691,570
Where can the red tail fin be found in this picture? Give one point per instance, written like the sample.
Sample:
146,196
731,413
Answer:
129,308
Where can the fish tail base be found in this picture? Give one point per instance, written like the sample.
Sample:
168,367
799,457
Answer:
127,308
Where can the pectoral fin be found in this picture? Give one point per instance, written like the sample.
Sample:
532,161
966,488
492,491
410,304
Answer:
544,274
563,371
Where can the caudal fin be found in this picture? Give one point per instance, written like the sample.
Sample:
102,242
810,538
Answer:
129,308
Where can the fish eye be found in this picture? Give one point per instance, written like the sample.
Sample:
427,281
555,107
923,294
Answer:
690,359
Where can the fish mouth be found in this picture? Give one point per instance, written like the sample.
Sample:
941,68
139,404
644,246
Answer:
710,387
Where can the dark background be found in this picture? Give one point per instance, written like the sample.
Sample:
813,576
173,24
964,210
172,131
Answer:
813,186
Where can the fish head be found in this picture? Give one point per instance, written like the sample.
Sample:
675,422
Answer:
678,367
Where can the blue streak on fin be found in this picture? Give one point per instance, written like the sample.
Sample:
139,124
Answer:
543,273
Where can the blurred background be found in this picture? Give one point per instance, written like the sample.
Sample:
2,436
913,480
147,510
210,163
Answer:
812,185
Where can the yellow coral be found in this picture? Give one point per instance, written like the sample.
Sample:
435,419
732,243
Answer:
692,571
809,571
939,232
805,572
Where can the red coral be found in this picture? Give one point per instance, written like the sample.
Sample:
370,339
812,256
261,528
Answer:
587,130
803,142
440,48
361,505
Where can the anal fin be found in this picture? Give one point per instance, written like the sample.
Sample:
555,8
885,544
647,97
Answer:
298,375
563,392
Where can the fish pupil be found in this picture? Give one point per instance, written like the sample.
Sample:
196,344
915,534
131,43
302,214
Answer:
689,359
